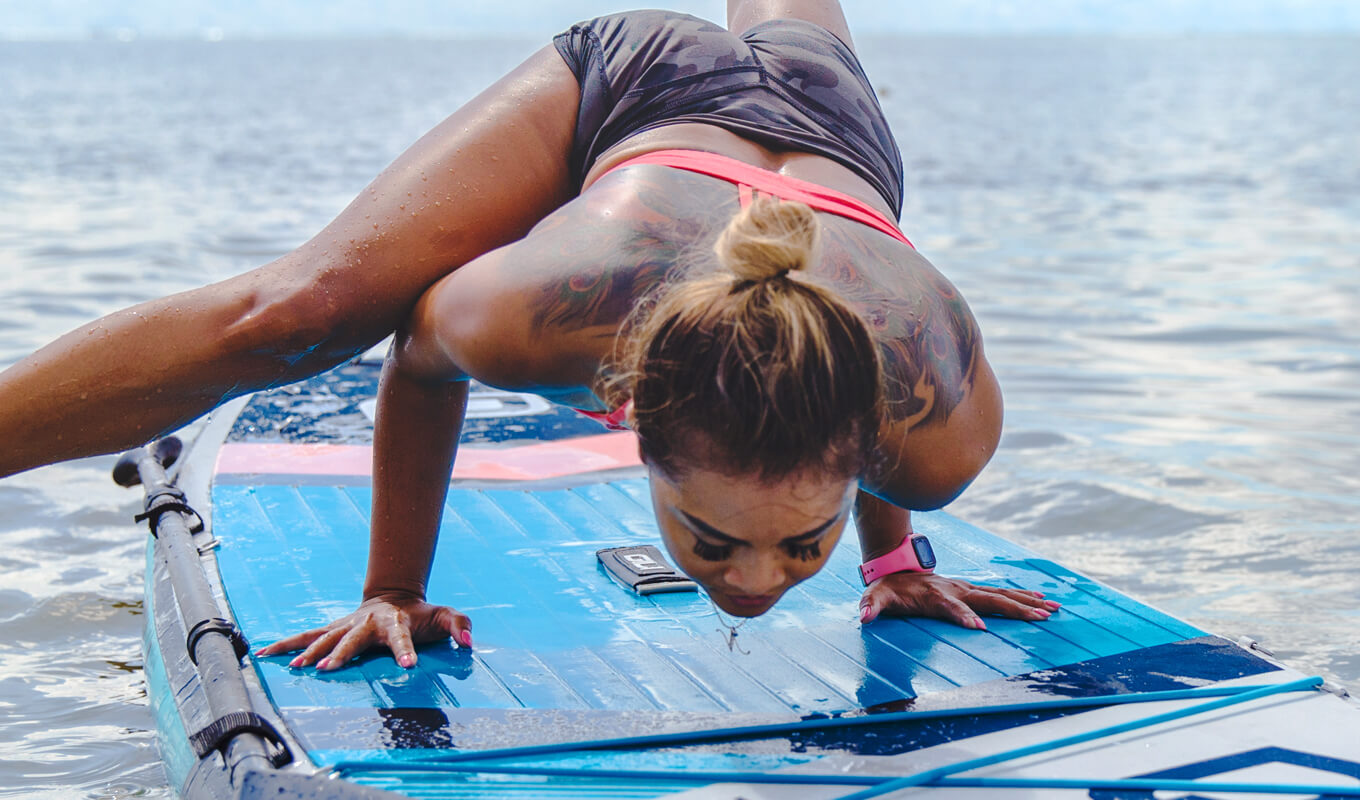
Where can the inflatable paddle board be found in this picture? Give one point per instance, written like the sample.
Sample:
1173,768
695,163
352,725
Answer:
581,687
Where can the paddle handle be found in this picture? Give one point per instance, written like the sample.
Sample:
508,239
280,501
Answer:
162,455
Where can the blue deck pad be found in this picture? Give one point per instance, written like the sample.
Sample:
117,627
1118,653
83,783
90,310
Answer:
554,632
406,733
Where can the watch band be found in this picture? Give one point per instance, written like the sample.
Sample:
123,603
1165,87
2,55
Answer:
914,554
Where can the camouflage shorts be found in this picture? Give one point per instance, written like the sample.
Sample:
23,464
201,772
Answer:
787,84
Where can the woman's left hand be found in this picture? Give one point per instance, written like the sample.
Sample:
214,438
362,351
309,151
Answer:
915,594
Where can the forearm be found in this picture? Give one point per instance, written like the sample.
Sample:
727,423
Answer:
414,442
882,526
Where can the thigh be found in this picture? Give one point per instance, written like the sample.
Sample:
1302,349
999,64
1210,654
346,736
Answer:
742,14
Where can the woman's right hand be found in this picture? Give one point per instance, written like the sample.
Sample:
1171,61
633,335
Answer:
395,620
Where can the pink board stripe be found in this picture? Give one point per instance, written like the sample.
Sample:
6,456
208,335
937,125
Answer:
525,463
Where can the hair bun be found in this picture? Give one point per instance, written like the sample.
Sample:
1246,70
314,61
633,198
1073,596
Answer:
769,239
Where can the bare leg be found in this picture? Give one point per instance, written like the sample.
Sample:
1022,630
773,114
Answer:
480,179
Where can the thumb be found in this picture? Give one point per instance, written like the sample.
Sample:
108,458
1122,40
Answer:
457,625
869,609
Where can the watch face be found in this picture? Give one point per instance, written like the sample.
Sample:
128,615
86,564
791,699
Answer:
924,552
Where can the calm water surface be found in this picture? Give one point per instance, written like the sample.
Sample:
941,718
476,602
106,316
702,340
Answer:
1161,238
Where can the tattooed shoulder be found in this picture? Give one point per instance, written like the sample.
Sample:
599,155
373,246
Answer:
927,336
593,259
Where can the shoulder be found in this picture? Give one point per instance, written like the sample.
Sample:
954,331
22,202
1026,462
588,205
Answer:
544,310
927,336
943,405
926,466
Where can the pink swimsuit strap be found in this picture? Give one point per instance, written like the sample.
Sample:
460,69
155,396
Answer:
748,177
616,420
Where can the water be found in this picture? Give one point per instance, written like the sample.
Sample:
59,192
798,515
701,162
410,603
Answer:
1160,238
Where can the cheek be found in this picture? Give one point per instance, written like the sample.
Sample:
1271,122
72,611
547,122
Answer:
806,569
679,545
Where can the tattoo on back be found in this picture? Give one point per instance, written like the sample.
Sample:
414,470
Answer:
594,259
603,257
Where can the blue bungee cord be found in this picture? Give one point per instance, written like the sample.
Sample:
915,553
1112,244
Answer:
880,785
929,775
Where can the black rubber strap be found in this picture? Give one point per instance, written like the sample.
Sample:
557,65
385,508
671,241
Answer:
216,625
218,734
154,512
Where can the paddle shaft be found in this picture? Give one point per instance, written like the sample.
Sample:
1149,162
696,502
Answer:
217,662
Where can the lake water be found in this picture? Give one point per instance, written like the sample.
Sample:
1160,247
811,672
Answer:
1160,237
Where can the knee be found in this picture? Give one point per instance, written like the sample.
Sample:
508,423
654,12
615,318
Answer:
294,324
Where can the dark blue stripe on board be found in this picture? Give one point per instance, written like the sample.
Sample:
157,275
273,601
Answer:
1180,665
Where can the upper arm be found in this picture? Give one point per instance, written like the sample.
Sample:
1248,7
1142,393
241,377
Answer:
468,324
742,14
536,314
931,464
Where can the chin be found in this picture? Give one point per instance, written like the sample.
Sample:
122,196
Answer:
744,605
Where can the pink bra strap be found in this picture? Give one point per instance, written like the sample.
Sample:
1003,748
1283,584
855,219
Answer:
782,186
616,420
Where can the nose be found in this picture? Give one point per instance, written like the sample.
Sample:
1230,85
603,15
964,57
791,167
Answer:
755,574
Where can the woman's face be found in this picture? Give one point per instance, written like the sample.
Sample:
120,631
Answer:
747,542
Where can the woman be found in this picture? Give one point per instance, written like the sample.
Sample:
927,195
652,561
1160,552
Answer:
781,92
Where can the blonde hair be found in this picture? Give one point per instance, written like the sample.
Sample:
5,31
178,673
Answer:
755,368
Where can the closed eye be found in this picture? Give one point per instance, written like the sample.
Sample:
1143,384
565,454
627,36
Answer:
804,551
806,546
711,552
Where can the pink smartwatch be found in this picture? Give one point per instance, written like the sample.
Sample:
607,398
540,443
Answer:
914,554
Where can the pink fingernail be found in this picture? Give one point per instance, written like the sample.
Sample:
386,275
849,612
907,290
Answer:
979,624
466,638
295,662
864,614
325,663
1039,595
407,660
1041,613
1052,605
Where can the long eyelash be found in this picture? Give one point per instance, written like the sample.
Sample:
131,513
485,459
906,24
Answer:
805,552
711,552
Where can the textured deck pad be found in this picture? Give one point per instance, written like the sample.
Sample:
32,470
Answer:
554,632
562,651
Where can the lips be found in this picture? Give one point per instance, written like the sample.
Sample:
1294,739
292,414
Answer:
754,603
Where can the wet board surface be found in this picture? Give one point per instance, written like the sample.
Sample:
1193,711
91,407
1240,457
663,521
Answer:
564,653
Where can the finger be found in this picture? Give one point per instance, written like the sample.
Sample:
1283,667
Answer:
403,649
1002,605
294,642
318,648
952,609
350,645
1035,599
